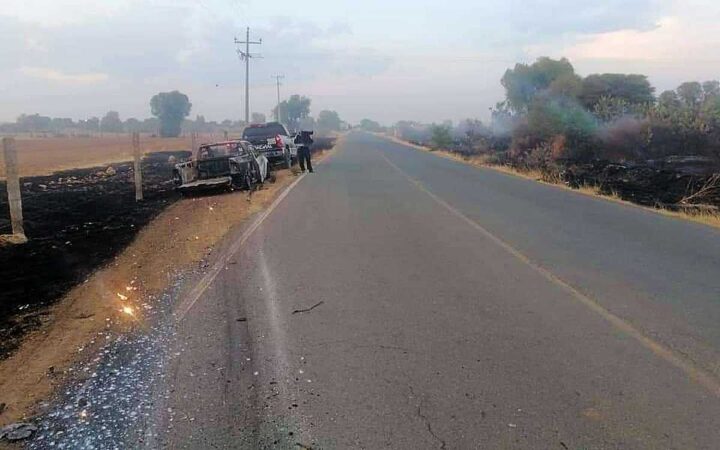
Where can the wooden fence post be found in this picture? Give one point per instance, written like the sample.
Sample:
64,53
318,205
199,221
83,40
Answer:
13,190
137,167
193,143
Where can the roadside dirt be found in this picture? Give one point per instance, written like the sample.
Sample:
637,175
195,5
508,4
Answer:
179,238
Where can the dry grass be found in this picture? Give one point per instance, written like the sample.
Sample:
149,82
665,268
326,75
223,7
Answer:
177,239
703,217
43,156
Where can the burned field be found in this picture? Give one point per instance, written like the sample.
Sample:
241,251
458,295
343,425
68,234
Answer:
676,184
76,220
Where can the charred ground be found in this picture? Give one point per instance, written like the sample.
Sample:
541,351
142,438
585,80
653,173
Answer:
76,220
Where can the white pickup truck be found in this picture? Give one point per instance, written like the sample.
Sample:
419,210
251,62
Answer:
272,140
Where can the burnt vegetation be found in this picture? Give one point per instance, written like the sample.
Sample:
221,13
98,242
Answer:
609,131
77,220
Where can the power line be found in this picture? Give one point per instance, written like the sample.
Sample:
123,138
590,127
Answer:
277,108
246,55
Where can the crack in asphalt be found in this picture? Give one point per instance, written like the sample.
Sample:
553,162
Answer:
426,421
428,424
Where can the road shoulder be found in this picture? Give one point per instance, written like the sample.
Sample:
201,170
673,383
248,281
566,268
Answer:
184,237
711,220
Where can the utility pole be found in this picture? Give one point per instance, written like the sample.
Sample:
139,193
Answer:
246,55
277,108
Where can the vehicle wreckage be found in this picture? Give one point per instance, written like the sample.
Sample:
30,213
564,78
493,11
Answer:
231,164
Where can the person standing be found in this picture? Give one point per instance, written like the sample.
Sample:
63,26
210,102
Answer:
304,140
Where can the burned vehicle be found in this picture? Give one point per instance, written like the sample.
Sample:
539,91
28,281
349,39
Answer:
231,164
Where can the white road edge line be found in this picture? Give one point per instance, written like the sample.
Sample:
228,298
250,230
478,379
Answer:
205,282
706,379
194,295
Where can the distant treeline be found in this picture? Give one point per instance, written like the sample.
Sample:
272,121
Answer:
295,117
112,123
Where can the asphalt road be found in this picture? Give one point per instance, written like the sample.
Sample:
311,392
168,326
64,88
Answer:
454,308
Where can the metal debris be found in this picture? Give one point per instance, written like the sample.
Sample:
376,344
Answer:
300,311
17,431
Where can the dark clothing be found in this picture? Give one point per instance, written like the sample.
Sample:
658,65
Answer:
304,158
304,139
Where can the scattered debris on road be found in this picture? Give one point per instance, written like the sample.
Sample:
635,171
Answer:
107,400
300,311
17,431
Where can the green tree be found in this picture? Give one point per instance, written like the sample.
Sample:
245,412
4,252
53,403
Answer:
524,82
328,121
711,89
690,93
151,125
609,108
441,137
60,124
170,108
711,108
132,125
111,123
686,121
293,110
552,117
34,122
91,124
633,89
565,85
669,100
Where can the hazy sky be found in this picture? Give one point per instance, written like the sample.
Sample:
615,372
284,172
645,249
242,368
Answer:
383,59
